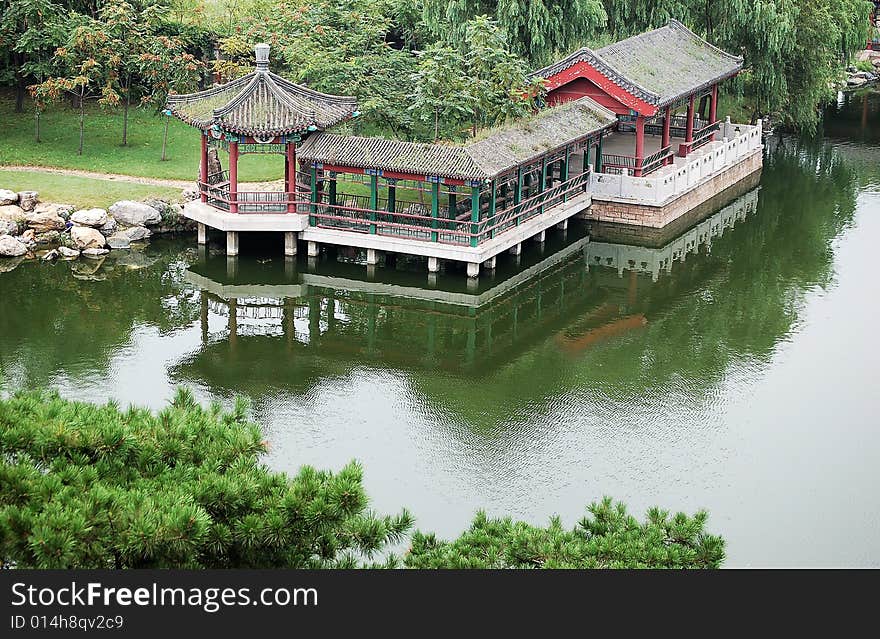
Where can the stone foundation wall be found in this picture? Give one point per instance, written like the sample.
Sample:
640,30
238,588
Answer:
661,216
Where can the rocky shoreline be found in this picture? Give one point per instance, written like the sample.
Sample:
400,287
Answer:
31,229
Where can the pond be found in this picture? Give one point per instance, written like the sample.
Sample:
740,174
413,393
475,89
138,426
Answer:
731,367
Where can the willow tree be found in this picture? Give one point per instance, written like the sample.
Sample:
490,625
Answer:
534,29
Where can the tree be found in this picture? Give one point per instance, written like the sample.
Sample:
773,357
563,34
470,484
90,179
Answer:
85,486
167,67
81,67
535,29
441,86
606,538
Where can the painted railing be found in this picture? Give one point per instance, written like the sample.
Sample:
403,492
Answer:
738,141
624,163
416,223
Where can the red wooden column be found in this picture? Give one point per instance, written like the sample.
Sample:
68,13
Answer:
290,176
233,177
640,143
203,168
689,131
713,107
667,120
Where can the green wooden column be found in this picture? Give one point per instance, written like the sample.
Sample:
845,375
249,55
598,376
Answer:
374,201
599,155
491,220
313,178
563,172
475,214
392,195
435,209
542,184
452,201
332,194
517,193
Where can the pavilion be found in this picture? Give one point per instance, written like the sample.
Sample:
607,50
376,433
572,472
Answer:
644,80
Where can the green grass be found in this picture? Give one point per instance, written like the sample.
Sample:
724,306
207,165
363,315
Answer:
102,148
80,191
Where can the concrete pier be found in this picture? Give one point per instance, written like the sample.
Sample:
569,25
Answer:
490,263
563,225
516,249
372,257
433,265
473,269
289,243
540,237
314,249
231,243
202,234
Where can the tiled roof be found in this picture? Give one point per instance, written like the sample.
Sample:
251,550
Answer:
498,151
261,103
659,66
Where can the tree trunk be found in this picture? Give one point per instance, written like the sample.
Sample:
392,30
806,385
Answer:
18,60
37,125
82,117
125,113
165,139
436,125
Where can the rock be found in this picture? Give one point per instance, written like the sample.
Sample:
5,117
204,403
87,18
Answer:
51,255
11,247
28,236
61,210
27,200
85,237
109,228
42,222
8,227
130,213
124,238
95,252
876,63
188,195
12,212
49,237
855,81
68,253
8,197
90,217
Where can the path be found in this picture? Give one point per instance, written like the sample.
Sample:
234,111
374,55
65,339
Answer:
132,179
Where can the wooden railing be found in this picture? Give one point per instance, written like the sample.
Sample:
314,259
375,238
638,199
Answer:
646,165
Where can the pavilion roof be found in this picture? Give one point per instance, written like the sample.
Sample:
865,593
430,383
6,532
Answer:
499,150
659,66
262,104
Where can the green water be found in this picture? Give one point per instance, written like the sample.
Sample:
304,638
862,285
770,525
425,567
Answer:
741,379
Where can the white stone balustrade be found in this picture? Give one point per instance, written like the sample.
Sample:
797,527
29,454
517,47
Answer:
684,174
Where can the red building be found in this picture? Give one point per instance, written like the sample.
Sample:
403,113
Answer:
645,80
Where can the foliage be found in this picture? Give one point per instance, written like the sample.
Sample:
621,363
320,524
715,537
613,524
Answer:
97,487
607,537
538,30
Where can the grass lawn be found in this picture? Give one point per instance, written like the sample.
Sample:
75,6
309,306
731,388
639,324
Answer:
102,148
80,191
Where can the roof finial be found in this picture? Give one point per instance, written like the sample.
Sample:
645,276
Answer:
262,53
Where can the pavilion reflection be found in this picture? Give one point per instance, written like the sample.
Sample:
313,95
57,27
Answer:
289,324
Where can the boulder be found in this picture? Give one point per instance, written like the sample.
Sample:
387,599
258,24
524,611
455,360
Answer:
42,222
188,195
90,217
8,227
28,236
51,255
12,212
856,81
125,237
68,253
10,263
11,247
95,253
27,200
61,210
49,237
8,197
109,228
129,213
85,237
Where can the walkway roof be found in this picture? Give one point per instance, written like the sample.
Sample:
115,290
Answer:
498,151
